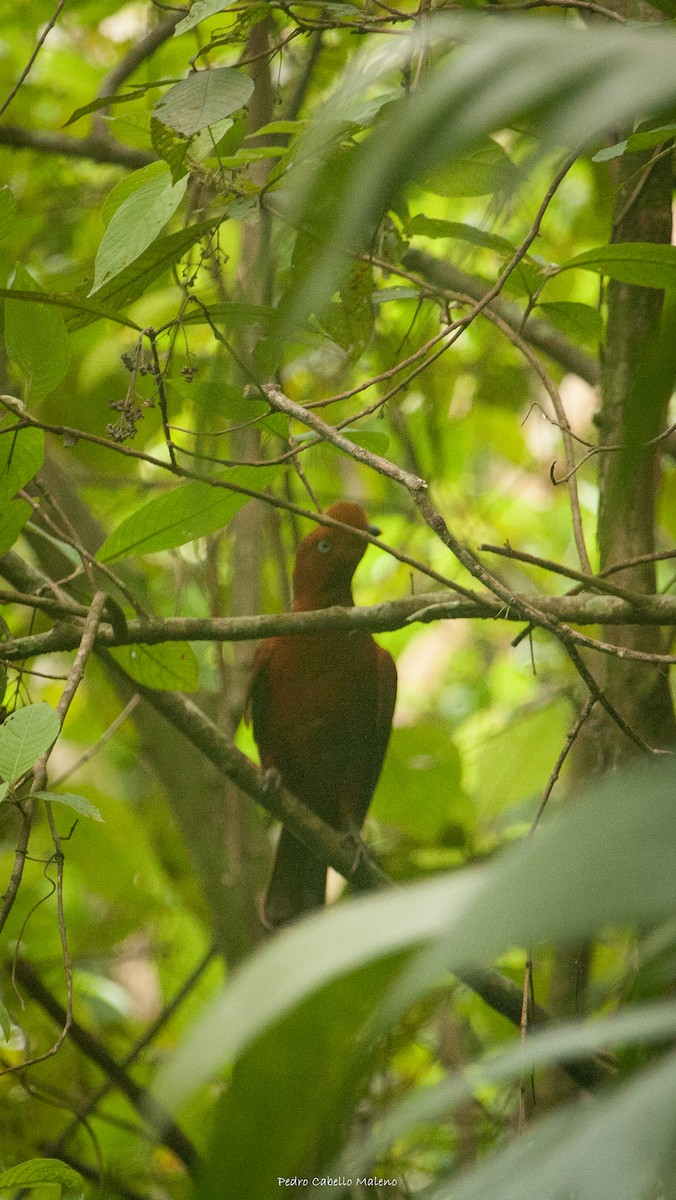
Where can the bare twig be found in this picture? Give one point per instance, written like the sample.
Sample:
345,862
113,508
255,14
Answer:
36,50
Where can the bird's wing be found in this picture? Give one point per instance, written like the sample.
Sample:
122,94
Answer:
386,673
258,696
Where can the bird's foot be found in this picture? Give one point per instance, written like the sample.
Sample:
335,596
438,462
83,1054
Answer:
353,840
272,781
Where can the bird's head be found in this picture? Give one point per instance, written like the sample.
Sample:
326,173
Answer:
328,557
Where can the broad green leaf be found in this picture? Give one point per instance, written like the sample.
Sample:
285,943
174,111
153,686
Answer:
305,1063
616,1150
643,140
78,305
131,283
375,440
24,737
420,790
579,321
190,511
135,225
199,11
5,1022
36,340
130,184
571,85
4,788
21,456
432,228
13,516
44,1170
170,667
7,211
642,263
137,93
488,168
301,960
583,871
80,804
171,146
204,98
641,1024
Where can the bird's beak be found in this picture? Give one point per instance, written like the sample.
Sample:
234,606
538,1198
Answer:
373,529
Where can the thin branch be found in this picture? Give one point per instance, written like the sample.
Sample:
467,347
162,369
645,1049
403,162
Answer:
448,280
377,618
555,397
589,580
38,47
553,778
102,741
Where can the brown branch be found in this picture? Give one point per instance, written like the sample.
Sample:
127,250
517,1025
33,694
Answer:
93,148
377,618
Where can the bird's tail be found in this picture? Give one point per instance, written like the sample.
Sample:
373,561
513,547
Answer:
297,884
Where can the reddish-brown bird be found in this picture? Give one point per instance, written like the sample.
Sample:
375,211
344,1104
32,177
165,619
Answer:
322,706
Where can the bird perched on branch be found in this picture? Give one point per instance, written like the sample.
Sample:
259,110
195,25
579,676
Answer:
322,706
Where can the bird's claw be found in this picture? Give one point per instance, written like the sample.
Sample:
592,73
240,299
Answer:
272,780
353,840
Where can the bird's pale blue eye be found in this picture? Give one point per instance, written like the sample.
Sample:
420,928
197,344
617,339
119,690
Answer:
324,546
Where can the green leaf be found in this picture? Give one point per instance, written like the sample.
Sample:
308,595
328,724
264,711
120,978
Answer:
137,93
131,283
190,511
432,228
5,1022
130,184
585,870
7,210
642,263
21,456
199,11
135,225
4,788
579,321
374,439
616,1150
641,1024
24,737
305,958
36,340
171,146
488,168
79,803
570,85
170,667
204,98
305,1063
76,304
422,760
644,140
13,516
44,1170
